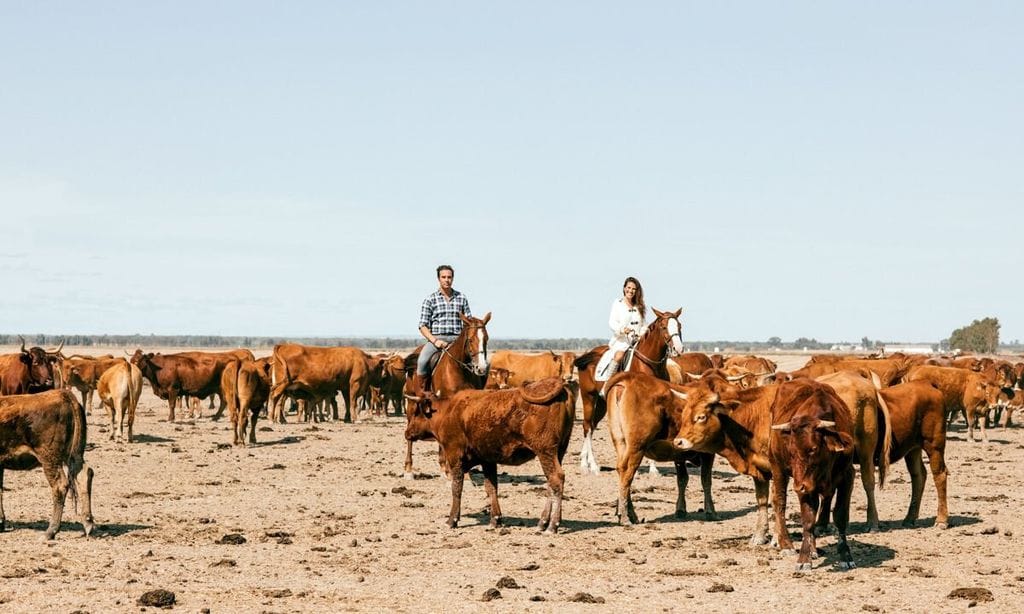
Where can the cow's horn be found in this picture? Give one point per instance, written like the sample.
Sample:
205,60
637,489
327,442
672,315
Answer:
126,352
826,424
734,378
681,395
22,343
781,427
59,348
412,398
695,375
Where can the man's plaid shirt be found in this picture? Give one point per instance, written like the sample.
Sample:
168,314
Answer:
442,315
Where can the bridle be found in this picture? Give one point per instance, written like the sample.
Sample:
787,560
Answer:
669,350
469,365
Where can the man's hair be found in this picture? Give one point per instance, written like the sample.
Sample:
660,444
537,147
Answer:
445,267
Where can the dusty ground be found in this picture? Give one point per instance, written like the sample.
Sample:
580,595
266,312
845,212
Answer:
331,525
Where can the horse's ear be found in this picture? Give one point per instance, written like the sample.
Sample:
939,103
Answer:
657,313
465,319
677,312
486,318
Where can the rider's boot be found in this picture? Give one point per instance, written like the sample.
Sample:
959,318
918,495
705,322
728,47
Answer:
612,368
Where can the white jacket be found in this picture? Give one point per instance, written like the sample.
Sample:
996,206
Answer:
623,317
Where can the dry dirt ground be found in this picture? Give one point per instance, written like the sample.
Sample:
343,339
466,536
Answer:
330,524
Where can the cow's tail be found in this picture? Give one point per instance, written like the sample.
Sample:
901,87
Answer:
76,450
133,391
884,432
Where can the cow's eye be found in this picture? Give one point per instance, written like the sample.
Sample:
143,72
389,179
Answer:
701,418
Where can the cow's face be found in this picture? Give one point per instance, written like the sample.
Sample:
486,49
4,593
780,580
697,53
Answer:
420,410
72,374
700,422
40,368
500,377
813,445
987,394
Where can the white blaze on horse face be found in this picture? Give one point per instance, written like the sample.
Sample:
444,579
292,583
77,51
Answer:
674,334
481,355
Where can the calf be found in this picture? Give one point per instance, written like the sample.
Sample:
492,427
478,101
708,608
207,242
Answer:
48,430
498,379
119,388
491,427
643,418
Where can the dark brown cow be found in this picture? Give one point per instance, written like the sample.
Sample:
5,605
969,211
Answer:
84,373
119,388
29,371
48,430
643,419
245,386
393,382
492,427
316,373
173,375
739,428
220,359
812,441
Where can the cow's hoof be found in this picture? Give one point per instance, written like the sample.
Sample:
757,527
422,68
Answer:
942,525
88,527
758,540
551,531
409,475
802,567
845,565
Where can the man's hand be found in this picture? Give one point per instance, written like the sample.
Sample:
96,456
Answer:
440,344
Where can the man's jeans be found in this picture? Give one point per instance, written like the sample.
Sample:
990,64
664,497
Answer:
422,365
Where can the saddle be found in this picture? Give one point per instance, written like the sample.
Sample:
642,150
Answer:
409,366
602,372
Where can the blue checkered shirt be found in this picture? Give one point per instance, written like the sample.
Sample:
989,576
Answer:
442,315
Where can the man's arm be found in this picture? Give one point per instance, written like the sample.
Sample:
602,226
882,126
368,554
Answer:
426,311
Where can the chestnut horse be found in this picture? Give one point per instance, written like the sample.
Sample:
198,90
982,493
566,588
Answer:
649,356
463,364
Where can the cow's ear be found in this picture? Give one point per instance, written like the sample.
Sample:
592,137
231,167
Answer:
726,407
835,441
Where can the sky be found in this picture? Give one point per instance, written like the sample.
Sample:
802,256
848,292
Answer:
795,169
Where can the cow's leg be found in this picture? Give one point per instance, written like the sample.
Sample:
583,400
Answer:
780,482
682,479
92,398
552,514
867,478
707,465
760,536
59,490
458,473
112,411
3,516
629,462
131,418
808,513
916,468
936,458
442,462
172,400
491,486
842,517
254,415
348,404
86,400
85,498
120,409
821,526
220,407
984,424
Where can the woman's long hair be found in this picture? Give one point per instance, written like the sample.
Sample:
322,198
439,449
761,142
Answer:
638,299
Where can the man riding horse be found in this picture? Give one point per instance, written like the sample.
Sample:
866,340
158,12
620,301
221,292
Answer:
440,323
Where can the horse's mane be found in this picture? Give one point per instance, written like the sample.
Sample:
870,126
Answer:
592,356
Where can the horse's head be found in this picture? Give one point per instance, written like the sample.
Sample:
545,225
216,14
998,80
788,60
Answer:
474,344
667,330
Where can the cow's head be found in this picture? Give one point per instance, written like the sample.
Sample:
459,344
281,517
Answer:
701,413
499,377
40,365
474,331
420,411
813,445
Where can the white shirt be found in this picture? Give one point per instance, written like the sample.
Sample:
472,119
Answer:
624,316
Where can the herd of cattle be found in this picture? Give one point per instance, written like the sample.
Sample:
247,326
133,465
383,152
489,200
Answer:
809,426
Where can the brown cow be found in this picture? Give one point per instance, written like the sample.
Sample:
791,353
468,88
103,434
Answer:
761,368
173,375
918,423
393,382
245,385
84,373
643,418
220,359
119,388
29,371
48,430
871,432
888,370
962,390
687,362
318,373
492,427
498,378
522,368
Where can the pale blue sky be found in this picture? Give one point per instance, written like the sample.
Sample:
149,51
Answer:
828,170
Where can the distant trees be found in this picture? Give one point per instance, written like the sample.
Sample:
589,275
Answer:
774,342
866,343
980,336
